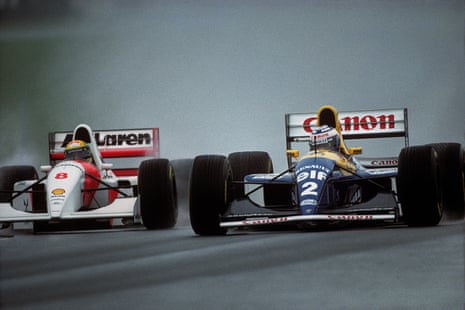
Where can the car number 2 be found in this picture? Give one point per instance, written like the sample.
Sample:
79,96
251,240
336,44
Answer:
309,188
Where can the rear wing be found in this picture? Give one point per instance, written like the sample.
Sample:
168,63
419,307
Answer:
115,143
354,125
389,123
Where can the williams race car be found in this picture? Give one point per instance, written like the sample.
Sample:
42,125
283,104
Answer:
80,190
327,184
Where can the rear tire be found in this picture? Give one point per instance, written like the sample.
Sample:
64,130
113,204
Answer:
209,193
419,187
244,163
157,191
452,177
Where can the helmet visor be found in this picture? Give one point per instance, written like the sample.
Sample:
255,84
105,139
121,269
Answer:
78,153
325,143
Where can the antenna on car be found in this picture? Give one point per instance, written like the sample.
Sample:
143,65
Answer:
314,140
314,144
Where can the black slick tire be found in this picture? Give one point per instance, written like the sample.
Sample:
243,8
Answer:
209,191
157,194
452,177
418,184
244,163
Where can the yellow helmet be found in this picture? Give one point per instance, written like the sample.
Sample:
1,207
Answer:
78,150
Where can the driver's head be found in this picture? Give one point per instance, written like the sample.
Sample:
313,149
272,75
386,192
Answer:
325,138
78,150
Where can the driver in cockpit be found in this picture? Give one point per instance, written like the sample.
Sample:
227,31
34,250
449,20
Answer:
325,138
78,150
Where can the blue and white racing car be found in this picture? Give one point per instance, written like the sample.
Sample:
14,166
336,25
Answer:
327,184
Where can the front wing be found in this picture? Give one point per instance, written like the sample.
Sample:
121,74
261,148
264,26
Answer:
119,208
382,208
254,221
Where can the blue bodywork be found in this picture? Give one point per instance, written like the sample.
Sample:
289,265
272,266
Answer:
311,175
318,185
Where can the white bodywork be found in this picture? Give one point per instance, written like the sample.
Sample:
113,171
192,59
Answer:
64,187
64,198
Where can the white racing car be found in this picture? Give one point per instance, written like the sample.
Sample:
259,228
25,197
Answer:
81,190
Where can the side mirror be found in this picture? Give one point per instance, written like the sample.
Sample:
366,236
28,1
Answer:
45,168
355,150
107,166
292,153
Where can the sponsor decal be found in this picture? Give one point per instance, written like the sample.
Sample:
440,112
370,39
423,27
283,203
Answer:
58,191
313,166
112,143
263,176
384,162
76,143
350,217
363,123
379,171
58,196
308,202
117,139
302,176
358,122
321,136
123,139
262,221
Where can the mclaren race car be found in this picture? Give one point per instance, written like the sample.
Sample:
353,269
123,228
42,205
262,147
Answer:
327,184
79,189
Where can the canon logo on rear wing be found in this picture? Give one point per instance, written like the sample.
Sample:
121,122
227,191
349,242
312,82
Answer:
358,123
362,124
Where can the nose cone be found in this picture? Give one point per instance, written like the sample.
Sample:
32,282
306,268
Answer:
64,188
311,174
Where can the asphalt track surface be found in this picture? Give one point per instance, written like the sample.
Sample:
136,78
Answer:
360,268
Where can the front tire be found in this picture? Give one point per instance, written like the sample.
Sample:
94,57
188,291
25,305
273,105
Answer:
209,192
157,191
419,187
